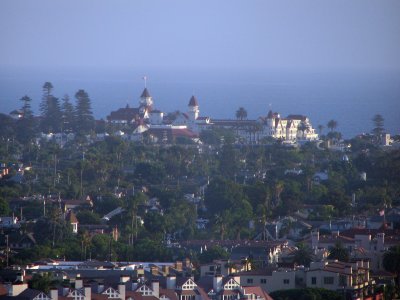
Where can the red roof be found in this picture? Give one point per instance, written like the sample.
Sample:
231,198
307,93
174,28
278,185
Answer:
297,117
258,291
373,232
126,114
193,101
145,94
169,294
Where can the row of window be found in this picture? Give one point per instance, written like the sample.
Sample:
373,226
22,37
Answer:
327,280
264,281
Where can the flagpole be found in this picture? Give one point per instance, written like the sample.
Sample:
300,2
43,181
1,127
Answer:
145,81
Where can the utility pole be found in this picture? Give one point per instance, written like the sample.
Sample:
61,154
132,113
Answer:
110,248
55,170
7,250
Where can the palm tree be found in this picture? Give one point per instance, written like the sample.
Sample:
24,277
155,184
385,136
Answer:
221,222
320,128
241,113
339,252
86,241
55,221
332,124
303,255
303,127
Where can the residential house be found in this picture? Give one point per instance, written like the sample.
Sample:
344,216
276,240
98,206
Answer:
351,279
269,279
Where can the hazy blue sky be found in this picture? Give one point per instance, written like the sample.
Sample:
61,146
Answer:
207,33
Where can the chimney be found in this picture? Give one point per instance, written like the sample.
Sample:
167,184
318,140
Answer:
21,275
155,286
380,241
88,292
187,262
165,269
54,294
78,282
366,264
178,266
171,282
314,239
217,283
65,291
139,272
348,269
122,290
154,270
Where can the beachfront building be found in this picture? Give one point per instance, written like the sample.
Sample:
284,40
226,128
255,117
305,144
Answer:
293,128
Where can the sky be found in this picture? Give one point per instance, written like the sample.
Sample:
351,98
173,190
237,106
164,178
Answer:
224,34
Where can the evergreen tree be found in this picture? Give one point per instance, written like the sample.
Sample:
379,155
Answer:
68,114
378,123
26,126
26,107
50,110
84,115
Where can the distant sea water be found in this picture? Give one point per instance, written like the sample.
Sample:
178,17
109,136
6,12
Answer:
350,98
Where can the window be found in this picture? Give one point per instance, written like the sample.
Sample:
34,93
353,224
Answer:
328,280
286,281
313,280
263,281
249,280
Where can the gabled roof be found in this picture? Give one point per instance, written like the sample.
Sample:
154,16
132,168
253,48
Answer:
193,101
182,280
297,117
258,291
333,239
31,293
169,294
145,94
203,294
364,231
206,282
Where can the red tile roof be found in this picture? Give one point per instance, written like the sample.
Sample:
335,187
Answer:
258,291
124,114
145,94
193,101
297,117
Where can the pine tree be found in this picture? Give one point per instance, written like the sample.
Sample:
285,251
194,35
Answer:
84,115
68,114
378,123
50,110
26,126
26,107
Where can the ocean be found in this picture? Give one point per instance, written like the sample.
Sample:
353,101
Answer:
351,98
